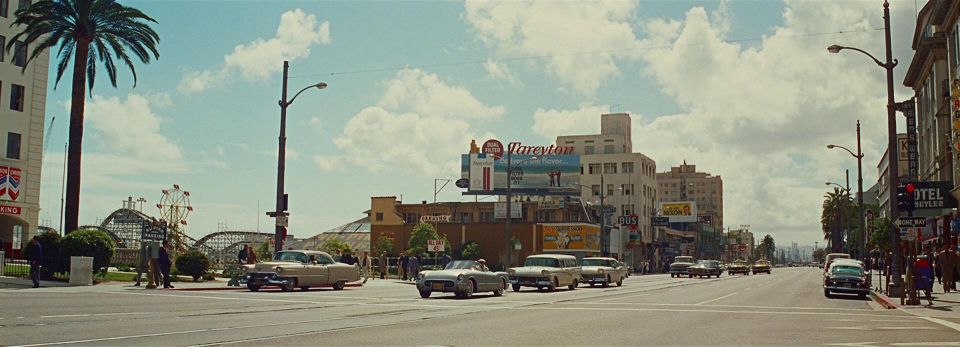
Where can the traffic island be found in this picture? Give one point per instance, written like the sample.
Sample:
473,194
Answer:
883,300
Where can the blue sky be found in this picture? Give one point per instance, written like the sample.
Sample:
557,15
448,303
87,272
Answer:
739,88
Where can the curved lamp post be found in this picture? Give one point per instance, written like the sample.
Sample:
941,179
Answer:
860,221
279,233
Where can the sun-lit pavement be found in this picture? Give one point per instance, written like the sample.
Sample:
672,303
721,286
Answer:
785,308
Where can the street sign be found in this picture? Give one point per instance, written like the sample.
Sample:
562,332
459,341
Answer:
659,221
912,234
435,245
911,222
628,220
282,221
933,195
153,231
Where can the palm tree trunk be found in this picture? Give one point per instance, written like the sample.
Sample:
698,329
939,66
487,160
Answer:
77,100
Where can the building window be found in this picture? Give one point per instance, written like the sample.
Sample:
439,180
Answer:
16,97
594,169
627,189
609,168
608,149
3,43
466,217
19,54
609,189
595,189
627,167
627,209
4,4
23,4
379,216
13,145
588,150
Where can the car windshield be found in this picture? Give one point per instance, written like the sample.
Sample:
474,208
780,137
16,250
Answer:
683,260
548,262
595,262
460,265
846,270
290,256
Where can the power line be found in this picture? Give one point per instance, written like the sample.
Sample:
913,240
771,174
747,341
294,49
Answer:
545,56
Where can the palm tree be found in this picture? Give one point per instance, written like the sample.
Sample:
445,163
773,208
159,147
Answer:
87,31
836,204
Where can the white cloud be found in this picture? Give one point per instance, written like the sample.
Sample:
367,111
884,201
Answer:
420,125
297,33
551,123
131,128
580,40
499,71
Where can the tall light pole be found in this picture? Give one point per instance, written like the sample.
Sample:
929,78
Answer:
893,167
860,223
603,214
506,228
280,213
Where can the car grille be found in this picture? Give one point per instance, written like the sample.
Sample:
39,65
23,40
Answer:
260,275
446,284
524,279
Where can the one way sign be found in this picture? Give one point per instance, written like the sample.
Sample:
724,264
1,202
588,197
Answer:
911,222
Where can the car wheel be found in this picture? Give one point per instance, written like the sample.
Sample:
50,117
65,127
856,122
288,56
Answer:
573,285
304,288
620,282
719,273
253,287
690,276
826,293
516,287
500,290
339,285
425,294
291,284
592,284
553,286
468,292
606,282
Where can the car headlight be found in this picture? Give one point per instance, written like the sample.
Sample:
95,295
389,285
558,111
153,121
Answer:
279,270
460,278
511,272
545,272
600,271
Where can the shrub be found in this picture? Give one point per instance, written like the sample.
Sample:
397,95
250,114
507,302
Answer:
193,263
471,251
52,262
384,244
332,245
88,243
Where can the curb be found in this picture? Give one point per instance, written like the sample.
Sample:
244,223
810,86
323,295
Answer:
348,285
883,300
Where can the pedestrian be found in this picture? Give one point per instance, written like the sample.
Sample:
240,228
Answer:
367,262
937,267
446,260
402,266
36,259
383,265
143,264
948,259
413,266
339,256
165,263
251,255
242,256
923,275
347,258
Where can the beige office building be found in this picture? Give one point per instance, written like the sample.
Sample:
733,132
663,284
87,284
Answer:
23,97
624,179
684,183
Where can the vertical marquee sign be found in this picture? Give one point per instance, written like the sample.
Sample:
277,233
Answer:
913,167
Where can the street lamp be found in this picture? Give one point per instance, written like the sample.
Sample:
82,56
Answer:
860,222
603,218
279,233
892,180
506,229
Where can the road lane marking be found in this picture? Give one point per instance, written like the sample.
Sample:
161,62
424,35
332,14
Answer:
614,299
945,323
712,300
881,328
931,344
93,314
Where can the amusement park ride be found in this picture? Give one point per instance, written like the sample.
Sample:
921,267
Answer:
174,208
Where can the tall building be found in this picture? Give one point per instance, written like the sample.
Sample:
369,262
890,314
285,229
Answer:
624,179
883,167
684,183
23,97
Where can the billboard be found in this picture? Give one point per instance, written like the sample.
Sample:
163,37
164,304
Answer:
679,211
575,237
549,173
481,172
10,179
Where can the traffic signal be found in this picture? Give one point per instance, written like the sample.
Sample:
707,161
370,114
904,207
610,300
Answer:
905,197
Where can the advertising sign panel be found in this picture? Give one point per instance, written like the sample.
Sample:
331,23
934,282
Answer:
435,245
435,219
578,237
545,169
481,172
493,148
679,211
14,210
500,210
10,183
153,232
933,195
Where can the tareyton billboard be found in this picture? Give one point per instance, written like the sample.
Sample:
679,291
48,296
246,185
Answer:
535,169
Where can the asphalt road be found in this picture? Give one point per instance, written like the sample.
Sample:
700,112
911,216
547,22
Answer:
785,308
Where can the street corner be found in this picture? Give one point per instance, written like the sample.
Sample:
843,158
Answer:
882,300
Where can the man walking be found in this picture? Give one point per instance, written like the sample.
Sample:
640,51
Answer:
948,259
143,263
36,258
242,256
367,266
383,265
402,266
413,267
165,263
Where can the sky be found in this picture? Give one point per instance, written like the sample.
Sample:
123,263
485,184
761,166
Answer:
743,89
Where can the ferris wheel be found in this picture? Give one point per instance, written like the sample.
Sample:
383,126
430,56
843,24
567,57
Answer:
174,208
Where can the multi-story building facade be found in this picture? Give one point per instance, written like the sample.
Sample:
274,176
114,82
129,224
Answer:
883,192
684,183
23,97
624,179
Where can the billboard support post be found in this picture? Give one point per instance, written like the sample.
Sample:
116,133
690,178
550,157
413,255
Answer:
506,229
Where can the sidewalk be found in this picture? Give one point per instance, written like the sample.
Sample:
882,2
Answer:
945,305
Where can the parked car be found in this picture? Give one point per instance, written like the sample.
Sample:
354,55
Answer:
831,257
546,271
705,268
603,271
463,278
761,266
679,266
738,267
846,276
299,269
